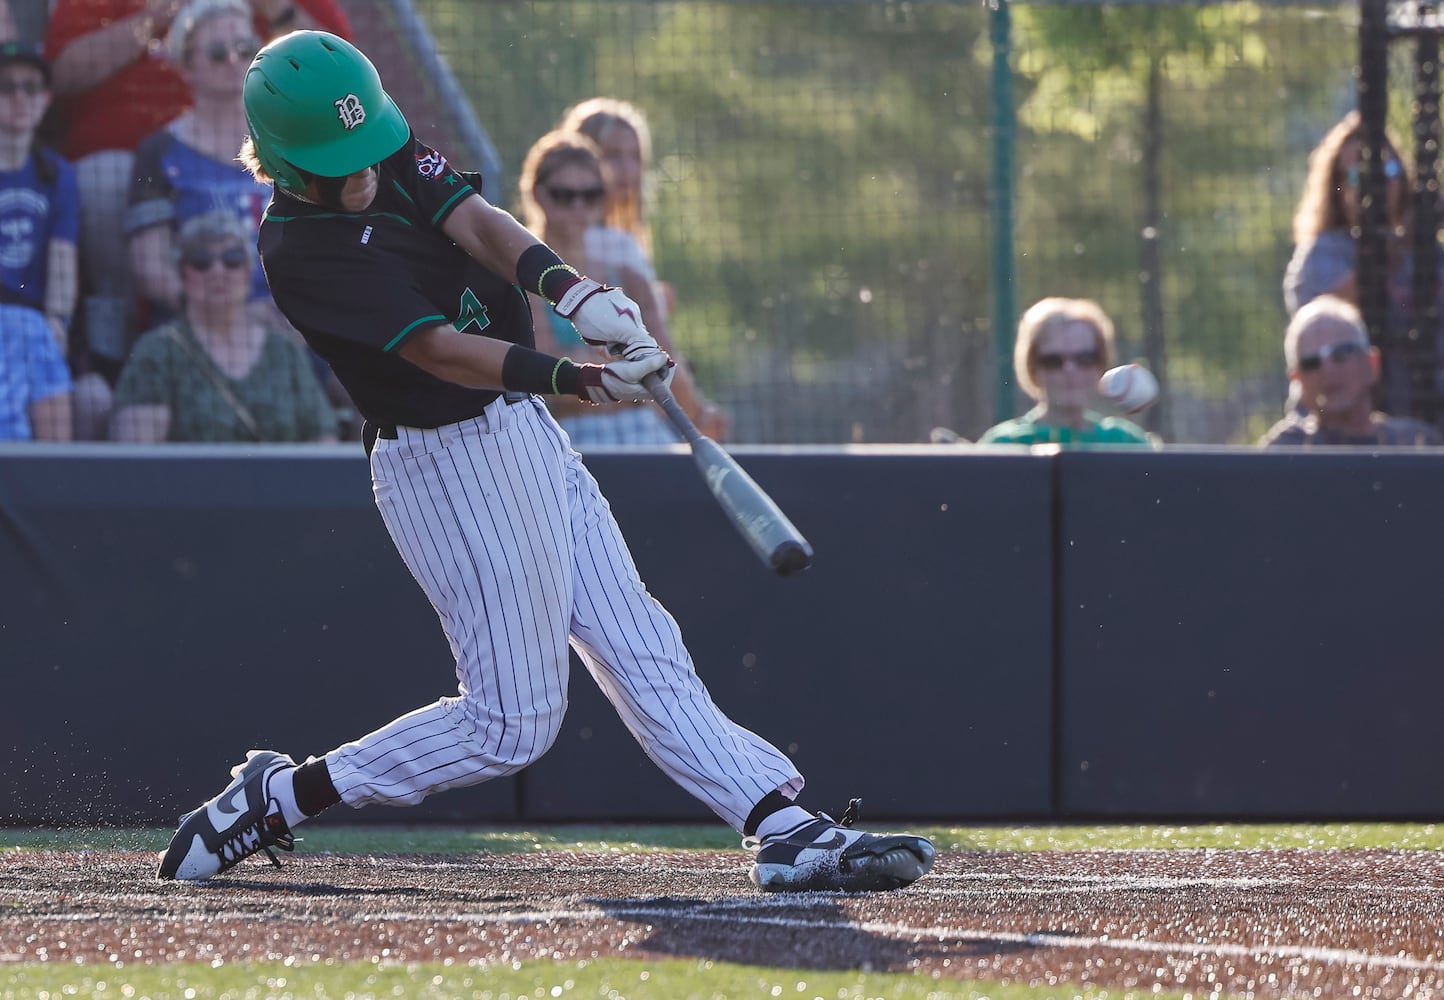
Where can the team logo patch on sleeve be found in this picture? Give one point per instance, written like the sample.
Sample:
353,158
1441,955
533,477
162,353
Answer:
351,111
431,165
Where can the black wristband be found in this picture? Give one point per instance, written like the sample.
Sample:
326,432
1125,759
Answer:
525,370
540,271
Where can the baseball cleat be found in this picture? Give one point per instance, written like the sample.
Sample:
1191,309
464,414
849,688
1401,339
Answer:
241,821
824,855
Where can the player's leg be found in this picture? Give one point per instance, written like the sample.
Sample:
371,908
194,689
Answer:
477,511
634,650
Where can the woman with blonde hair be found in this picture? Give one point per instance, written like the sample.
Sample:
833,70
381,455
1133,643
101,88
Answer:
562,194
620,131
1063,348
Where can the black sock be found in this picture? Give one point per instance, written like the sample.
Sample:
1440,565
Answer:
771,803
314,791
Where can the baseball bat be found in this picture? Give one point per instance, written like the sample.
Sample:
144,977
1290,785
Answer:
752,512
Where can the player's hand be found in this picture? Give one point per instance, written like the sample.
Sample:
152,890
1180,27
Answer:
621,381
605,317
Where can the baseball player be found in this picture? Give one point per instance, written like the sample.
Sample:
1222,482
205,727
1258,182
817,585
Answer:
413,288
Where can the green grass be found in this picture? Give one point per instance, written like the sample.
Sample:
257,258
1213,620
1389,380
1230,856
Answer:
456,840
613,979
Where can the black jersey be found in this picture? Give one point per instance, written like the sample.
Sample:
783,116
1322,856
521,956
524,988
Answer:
357,284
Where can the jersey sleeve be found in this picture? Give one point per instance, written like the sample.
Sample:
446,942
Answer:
432,183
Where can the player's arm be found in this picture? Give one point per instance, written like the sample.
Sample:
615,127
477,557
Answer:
604,316
487,363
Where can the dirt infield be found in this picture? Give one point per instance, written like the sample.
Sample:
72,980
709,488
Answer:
1260,923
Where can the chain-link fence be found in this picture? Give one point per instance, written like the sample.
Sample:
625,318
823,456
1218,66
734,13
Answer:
822,187
825,185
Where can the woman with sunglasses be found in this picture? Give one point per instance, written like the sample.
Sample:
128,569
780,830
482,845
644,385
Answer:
1325,257
217,373
189,166
562,199
624,235
1063,347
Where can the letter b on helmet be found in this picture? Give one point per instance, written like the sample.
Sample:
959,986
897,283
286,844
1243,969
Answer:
315,102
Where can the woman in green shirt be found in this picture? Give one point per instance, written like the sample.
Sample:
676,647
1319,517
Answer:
1063,347
217,373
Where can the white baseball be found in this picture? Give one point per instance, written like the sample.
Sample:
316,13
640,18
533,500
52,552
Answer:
1131,388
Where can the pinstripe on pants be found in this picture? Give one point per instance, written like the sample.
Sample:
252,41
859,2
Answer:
506,531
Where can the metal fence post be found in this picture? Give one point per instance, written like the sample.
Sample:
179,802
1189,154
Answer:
1000,208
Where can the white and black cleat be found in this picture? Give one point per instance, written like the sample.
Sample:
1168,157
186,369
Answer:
823,855
243,820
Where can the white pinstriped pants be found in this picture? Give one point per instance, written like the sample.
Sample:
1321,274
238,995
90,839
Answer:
507,533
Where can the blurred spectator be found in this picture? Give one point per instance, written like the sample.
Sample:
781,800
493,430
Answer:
39,223
620,131
1327,352
34,382
189,166
39,219
115,88
1063,348
1326,226
216,373
625,142
561,200
9,32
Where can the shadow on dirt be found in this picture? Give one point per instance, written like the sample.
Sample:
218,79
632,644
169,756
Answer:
804,931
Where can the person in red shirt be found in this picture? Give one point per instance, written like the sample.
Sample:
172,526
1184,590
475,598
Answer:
114,86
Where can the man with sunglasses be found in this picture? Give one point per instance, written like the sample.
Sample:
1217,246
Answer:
415,288
1334,369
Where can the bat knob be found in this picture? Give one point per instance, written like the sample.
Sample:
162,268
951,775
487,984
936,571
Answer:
790,558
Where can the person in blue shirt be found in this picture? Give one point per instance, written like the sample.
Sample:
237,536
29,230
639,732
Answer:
188,167
39,222
39,200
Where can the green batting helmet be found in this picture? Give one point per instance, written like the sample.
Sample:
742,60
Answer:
314,101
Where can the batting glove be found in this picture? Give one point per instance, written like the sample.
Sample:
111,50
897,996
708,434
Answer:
605,317
621,381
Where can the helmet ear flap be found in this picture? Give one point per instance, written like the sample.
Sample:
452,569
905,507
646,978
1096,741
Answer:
280,171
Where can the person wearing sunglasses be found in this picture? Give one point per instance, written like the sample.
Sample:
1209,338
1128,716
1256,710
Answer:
1063,347
624,234
1333,366
39,222
216,373
563,196
1325,224
188,166
115,84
